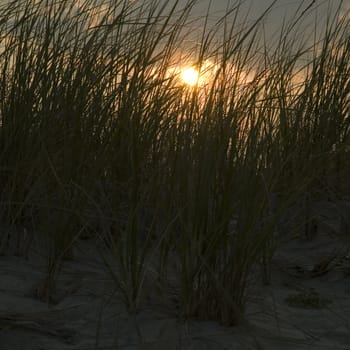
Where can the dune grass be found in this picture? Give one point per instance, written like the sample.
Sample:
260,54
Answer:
99,137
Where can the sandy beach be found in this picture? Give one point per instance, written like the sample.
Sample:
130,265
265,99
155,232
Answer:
305,306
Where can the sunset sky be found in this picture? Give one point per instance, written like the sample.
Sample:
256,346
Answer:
282,10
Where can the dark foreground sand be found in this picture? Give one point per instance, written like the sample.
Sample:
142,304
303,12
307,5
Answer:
306,306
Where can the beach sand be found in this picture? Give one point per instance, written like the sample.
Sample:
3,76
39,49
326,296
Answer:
305,306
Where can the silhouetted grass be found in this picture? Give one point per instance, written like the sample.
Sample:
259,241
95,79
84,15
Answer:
99,137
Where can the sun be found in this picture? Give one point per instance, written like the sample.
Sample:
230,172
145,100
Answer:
193,77
190,76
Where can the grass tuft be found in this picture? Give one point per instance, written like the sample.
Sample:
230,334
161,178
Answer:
100,137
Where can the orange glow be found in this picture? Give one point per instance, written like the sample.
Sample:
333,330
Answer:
190,76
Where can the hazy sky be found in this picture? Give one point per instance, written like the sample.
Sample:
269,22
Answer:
281,10
281,7
314,11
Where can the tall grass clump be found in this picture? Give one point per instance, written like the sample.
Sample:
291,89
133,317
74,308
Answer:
100,136
312,129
